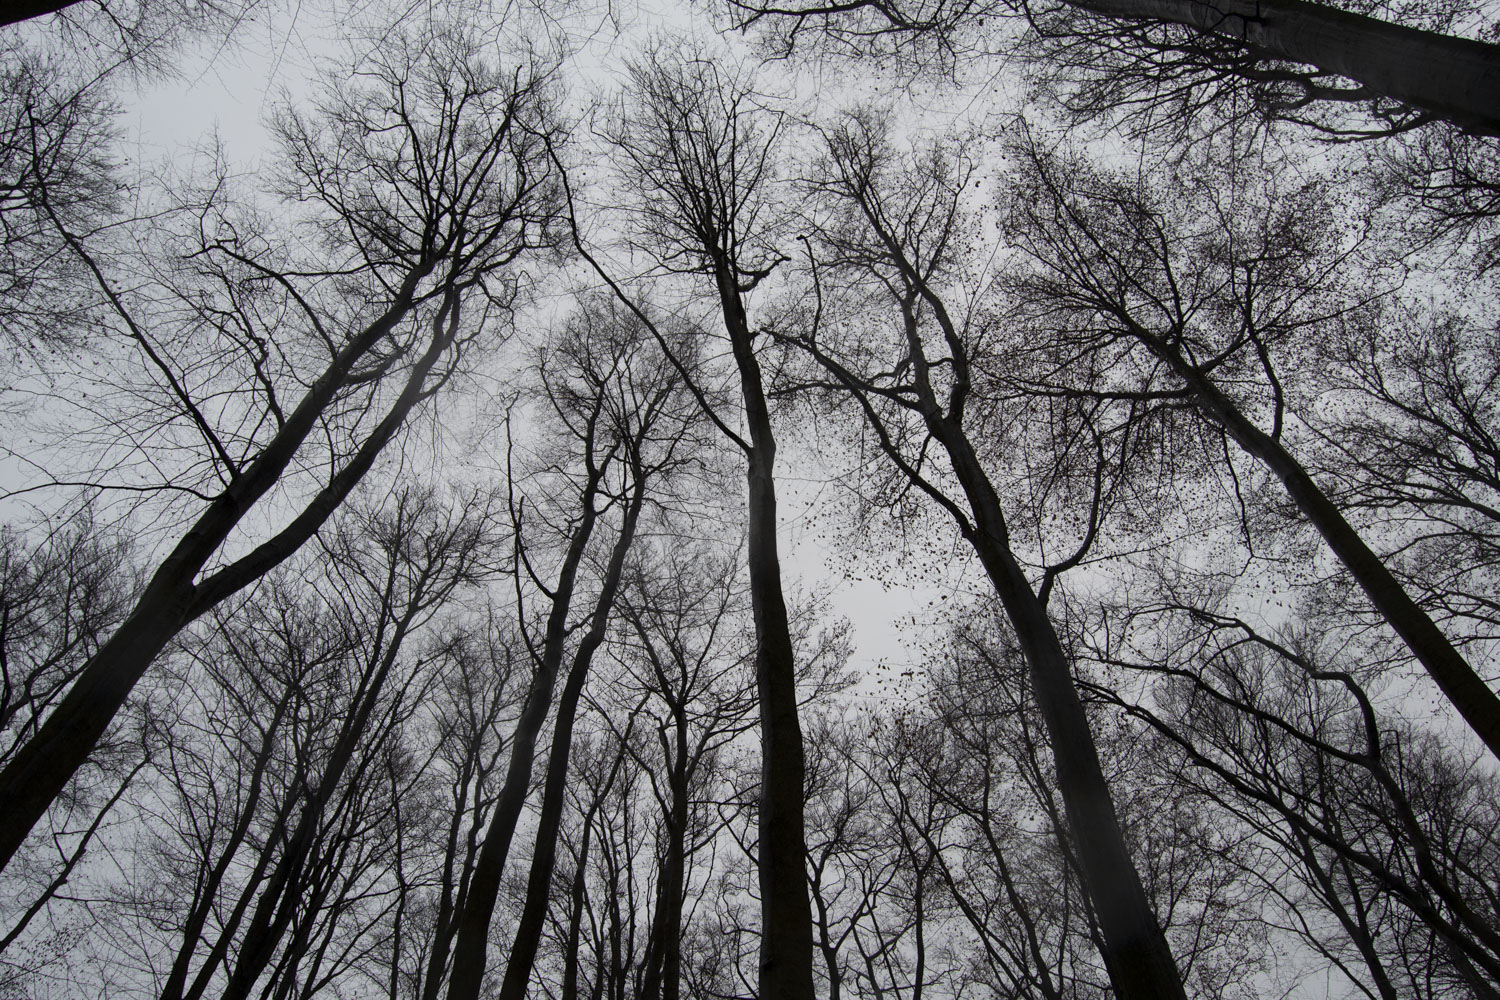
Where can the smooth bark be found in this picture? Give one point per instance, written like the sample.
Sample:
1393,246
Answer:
17,11
1448,77
1133,946
786,950
1457,79
472,942
539,881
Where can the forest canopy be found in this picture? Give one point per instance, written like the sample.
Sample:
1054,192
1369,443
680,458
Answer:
889,499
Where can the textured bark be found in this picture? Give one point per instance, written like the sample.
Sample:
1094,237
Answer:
1464,688
1453,78
41,769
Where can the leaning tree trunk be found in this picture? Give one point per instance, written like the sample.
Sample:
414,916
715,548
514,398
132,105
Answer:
1134,948
1135,952
1457,79
24,10
1464,688
45,764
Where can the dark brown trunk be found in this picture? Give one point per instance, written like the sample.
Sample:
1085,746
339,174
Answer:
577,892
442,924
673,872
227,935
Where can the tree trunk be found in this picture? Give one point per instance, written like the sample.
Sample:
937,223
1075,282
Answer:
1464,688
786,947
539,881
42,768
663,979
24,10
1135,950
484,884
1457,79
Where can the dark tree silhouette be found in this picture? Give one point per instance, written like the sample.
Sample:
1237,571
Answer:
896,228
423,222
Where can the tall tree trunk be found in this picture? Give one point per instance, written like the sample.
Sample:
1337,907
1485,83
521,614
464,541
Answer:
539,881
786,947
484,884
663,979
1135,950
1464,688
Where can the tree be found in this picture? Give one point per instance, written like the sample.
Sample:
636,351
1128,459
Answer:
1171,39
426,182
698,146
305,701
1383,834
896,229
472,720
619,411
652,419
1114,267
55,133
1407,447
683,652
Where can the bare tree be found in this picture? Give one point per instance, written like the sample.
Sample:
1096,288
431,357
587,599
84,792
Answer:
56,129
1377,839
684,651
426,181
1408,449
1305,49
1114,268
650,415
307,702
698,145
896,228
619,412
